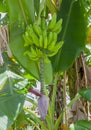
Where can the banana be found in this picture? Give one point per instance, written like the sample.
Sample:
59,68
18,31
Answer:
29,54
55,49
40,41
59,43
58,26
51,46
45,39
55,36
29,31
33,51
27,40
50,38
52,53
35,39
39,53
59,30
33,54
45,43
37,29
34,36
52,22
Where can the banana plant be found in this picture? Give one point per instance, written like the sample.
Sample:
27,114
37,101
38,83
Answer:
38,43
23,19
73,19
18,24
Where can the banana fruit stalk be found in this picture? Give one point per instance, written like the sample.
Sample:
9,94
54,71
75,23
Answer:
42,42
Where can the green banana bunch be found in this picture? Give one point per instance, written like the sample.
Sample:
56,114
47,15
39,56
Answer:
34,54
42,42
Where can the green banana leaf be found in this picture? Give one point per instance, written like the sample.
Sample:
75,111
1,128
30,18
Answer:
37,6
73,33
11,102
21,13
10,107
81,125
86,93
3,6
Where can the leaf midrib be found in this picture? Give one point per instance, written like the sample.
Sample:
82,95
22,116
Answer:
23,12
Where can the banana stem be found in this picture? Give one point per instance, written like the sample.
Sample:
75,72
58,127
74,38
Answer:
43,25
43,18
64,94
42,74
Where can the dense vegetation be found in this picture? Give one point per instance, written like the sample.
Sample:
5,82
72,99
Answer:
45,61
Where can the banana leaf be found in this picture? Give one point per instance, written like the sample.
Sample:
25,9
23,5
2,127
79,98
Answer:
81,125
73,33
21,13
11,102
86,93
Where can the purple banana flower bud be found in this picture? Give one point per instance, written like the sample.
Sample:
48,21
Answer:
43,106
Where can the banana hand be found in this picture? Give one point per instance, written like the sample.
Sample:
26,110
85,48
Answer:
28,40
55,49
33,35
51,46
58,27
